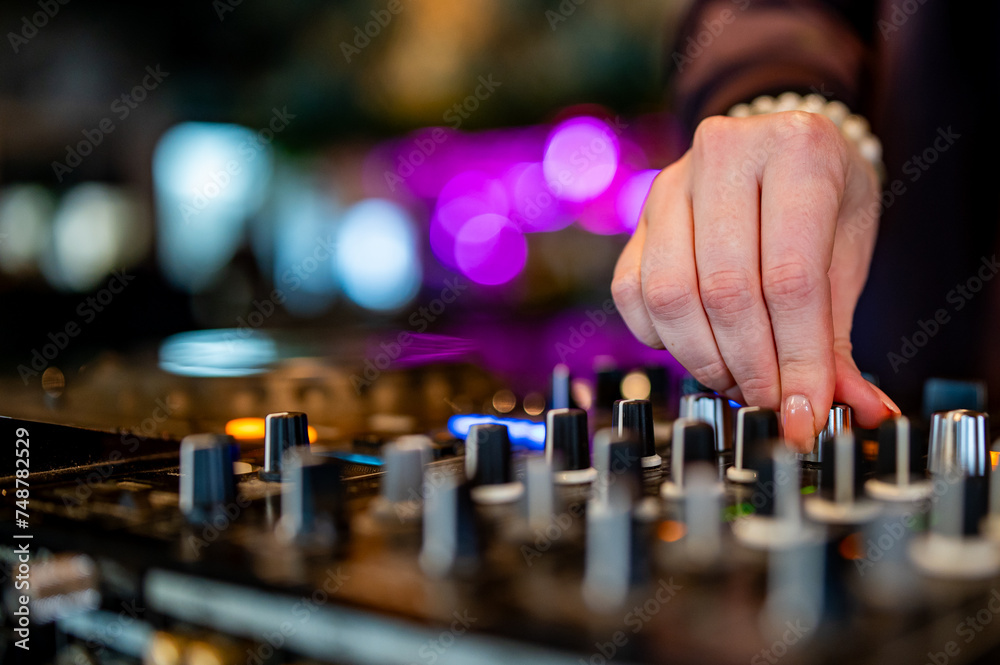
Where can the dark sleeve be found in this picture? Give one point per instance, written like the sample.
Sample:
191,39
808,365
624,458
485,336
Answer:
730,51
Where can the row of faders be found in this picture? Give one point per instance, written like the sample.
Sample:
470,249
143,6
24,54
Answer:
624,518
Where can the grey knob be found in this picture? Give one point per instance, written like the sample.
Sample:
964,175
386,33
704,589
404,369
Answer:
451,533
617,556
713,409
282,431
959,440
207,481
404,468
313,501
837,423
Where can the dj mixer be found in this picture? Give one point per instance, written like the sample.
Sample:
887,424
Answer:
635,530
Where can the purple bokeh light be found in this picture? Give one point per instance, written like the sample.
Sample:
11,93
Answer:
489,249
464,197
534,208
581,159
632,196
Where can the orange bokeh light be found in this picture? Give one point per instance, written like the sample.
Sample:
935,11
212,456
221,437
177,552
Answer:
852,547
250,429
671,531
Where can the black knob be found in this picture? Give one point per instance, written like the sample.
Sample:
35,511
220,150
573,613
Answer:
899,468
488,455
842,469
697,442
756,430
566,442
282,431
313,501
207,482
618,460
693,442
636,416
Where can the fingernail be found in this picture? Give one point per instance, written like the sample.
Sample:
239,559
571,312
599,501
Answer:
886,402
798,422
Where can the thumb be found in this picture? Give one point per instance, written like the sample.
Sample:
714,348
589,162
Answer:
870,406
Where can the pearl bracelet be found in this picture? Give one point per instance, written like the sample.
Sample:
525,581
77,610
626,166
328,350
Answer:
853,127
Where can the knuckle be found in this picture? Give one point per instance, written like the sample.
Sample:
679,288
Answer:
626,290
727,292
790,286
714,133
668,299
714,374
761,390
816,136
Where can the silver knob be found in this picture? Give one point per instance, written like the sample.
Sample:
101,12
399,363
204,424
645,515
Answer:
837,423
959,440
712,409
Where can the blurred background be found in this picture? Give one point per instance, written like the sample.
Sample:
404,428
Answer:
330,192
